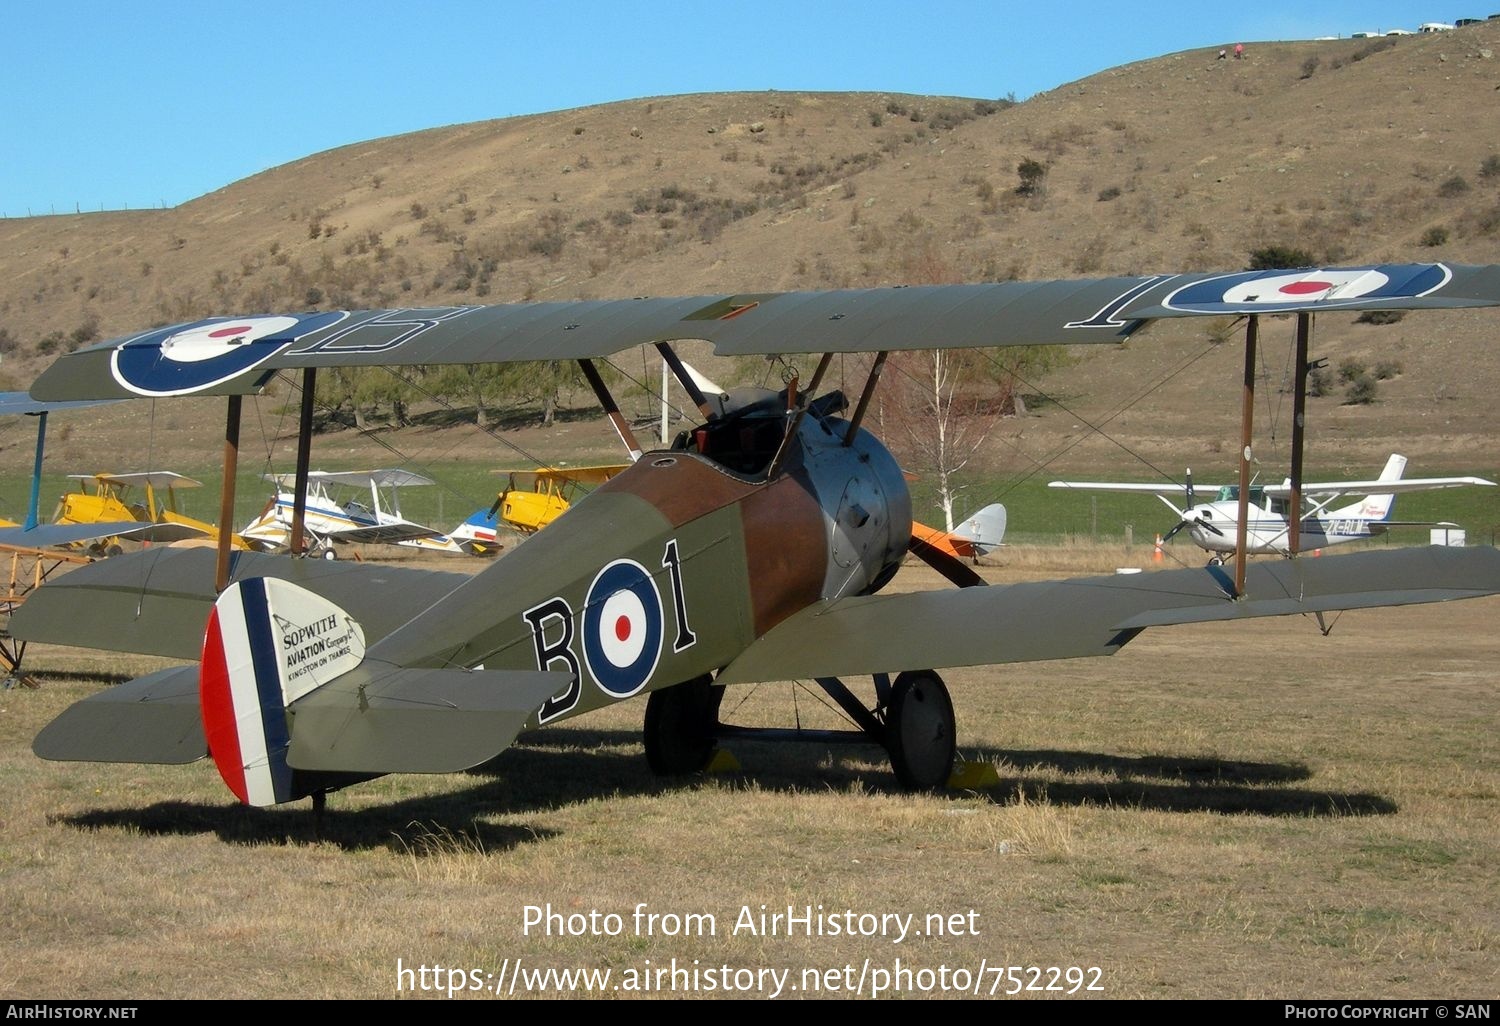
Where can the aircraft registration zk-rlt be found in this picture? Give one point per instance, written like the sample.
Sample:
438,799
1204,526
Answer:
753,550
1213,525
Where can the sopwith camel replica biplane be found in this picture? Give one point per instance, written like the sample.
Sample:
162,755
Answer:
754,549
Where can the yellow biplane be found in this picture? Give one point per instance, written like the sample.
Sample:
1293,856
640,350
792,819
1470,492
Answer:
532,499
108,499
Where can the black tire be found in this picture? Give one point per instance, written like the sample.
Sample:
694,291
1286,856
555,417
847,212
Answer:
679,729
920,731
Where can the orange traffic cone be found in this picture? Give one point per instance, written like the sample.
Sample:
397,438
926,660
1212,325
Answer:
1156,553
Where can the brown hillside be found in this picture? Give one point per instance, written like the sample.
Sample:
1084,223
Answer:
1354,150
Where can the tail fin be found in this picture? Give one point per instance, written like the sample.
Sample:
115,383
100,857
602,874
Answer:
1376,507
985,529
268,643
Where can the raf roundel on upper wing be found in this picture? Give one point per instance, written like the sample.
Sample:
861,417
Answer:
189,358
622,628
1274,291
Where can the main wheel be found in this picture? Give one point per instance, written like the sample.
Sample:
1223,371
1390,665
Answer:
920,731
679,730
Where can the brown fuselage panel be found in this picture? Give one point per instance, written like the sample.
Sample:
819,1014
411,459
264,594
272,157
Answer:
787,544
682,490
785,539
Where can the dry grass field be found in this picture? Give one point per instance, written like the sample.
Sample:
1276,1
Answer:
1248,810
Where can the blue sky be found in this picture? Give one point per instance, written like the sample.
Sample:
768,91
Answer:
118,104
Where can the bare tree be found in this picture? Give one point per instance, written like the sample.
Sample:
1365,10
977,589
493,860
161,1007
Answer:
943,404
942,422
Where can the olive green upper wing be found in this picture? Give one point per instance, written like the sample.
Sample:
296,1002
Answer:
224,355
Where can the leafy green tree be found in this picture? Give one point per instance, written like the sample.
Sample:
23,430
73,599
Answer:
485,386
357,394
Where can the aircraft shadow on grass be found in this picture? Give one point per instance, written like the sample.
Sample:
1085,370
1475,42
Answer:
1174,784
552,768
426,826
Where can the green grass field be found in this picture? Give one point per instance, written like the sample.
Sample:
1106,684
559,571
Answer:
1043,515
1036,513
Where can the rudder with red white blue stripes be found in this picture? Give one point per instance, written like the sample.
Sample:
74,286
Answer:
268,643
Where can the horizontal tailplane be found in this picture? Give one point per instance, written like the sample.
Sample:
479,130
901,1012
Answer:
153,719
381,719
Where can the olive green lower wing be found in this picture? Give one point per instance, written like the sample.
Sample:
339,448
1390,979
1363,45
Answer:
1093,616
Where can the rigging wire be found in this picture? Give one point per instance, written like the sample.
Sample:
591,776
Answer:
402,458
406,460
822,698
270,439
654,395
1099,427
1273,414
1041,464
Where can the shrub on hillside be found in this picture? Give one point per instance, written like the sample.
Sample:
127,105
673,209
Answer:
1488,221
1350,368
1270,257
1371,49
1380,317
1455,186
1361,391
1031,173
85,333
1437,235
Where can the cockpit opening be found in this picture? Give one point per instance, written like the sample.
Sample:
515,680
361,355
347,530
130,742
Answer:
744,439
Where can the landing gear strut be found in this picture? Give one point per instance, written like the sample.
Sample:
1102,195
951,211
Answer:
912,719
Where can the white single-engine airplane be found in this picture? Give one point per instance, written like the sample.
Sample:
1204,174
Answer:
753,549
1214,525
